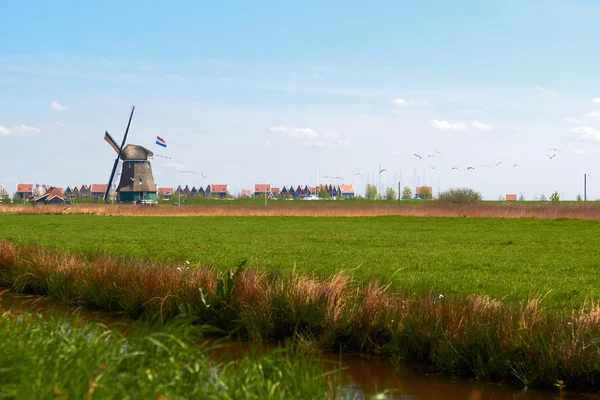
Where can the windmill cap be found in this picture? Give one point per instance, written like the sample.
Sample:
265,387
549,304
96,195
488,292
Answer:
134,152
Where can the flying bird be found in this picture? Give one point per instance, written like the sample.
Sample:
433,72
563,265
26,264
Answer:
516,165
382,170
555,150
416,155
432,167
468,168
437,151
431,155
486,165
455,168
551,156
497,163
203,176
358,173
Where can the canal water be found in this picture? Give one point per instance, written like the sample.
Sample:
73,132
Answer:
361,376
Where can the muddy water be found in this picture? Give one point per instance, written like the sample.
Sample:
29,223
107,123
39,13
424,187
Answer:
361,376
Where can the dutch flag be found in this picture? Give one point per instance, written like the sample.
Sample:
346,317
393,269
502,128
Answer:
161,142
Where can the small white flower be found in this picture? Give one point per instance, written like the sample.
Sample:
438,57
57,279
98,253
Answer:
187,262
441,296
179,269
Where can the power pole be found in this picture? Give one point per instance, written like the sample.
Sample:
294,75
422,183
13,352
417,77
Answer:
585,187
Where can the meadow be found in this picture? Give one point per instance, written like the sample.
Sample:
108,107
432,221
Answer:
508,259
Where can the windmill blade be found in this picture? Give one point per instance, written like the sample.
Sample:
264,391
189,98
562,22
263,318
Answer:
112,174
112,142
127,130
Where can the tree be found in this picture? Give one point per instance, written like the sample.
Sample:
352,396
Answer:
425,193
579,198
543,197
390,194
407,193
555,197
521,197
462,195
371,192
323,193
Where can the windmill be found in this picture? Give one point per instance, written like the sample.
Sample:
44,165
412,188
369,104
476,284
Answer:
136,182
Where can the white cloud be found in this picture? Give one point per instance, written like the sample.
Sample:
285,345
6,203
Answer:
175,165
339,144
26,129
4,131
268,144
316,76
595,115
295,132
316,144
480,126
409,102
584,151
444,125
59,124
569,119
547,92
587,132
59,107
596,100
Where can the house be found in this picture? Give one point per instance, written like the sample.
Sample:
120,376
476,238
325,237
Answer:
261,189
76,193
194,191
186,191
84,192
218,191
24,190
207,191
69,192
245,193
275,192
292,191
511,197
165,193
53,195
346,191
424,192
3,193
300,193
201,192
284,192
97,191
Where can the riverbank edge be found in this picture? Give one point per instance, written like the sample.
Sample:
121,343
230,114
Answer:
470,337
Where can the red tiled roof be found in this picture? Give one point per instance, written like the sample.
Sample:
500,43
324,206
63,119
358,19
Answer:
245,192
275,190
165,191
218,188
346,189
99,187
262,187
511,197
25,188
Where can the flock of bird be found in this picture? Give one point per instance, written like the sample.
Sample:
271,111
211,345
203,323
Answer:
455,168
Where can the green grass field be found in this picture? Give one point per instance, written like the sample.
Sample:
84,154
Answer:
512,259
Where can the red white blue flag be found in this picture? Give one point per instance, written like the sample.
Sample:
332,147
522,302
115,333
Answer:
161,142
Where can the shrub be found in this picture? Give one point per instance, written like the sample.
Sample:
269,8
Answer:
555,197
390,194
459,195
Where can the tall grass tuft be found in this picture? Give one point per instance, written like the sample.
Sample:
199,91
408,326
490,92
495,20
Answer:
471,337
46,358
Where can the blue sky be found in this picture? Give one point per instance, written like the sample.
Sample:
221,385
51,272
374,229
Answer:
252,91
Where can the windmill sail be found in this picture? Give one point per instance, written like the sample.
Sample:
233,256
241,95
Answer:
107,137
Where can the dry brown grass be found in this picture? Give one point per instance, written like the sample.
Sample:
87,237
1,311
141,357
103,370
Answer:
482,210
475,336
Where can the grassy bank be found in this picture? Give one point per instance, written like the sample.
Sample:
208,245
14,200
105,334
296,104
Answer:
510,259
458,336
61,359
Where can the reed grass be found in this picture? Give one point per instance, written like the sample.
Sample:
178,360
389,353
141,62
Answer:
51,358
328,209
473,336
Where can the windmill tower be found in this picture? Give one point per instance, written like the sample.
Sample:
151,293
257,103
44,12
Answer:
136,181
